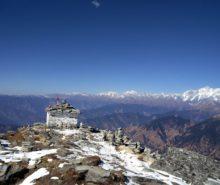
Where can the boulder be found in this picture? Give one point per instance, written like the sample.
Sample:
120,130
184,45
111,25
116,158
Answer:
13,173
50,162
63,152
91,161
118,176
66,176
146,181
97,175
82,169
4,169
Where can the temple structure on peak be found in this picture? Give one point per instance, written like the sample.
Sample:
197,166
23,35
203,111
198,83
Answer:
62,115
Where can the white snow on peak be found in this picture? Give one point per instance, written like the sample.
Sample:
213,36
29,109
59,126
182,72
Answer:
202,94
205,93
197,95
131,93
135,94
111,94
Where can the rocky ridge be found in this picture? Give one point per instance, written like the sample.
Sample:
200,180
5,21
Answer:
86,155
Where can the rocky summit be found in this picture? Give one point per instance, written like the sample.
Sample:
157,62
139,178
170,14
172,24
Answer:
86,155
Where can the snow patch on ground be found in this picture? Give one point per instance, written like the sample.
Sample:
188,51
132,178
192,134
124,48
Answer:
34,176
61,165
32,156
4,142
4,152
55,178
116,160
17,148
67,132
92,145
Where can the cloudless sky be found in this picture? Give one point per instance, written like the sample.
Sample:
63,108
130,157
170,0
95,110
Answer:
49,46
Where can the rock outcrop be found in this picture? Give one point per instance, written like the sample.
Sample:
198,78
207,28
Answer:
87,155
192,167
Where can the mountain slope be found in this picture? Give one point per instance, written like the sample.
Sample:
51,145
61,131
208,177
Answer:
203,138
76,156
116,120
120,115
26,109
159,133
193,96
22,109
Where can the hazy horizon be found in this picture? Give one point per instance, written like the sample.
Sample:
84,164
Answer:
105,92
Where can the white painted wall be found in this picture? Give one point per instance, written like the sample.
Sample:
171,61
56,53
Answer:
60,121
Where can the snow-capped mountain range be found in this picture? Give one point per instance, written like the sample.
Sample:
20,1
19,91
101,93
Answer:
202,94
205,93
194,96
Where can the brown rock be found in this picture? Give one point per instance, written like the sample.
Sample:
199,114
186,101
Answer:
16,138
118,176
91,161
14,173
146,181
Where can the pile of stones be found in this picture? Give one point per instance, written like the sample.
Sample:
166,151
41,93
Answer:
117,138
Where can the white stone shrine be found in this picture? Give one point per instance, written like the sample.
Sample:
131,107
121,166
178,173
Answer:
62,115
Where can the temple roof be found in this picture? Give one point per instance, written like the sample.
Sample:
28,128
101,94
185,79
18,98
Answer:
64,106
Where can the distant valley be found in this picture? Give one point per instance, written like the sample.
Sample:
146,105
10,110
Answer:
190,120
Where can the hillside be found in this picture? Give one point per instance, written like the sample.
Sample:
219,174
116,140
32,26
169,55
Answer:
157,120
39,155
161,133
196,105
22,109
203,138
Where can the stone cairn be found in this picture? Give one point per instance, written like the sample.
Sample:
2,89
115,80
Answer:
117,138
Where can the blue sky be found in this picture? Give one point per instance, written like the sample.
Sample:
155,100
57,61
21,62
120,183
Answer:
73,46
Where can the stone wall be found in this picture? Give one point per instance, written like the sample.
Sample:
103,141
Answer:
60,122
